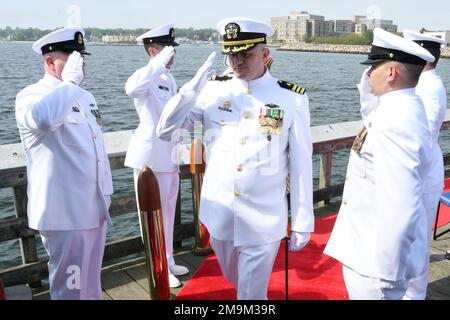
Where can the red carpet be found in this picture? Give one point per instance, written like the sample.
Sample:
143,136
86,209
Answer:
312,275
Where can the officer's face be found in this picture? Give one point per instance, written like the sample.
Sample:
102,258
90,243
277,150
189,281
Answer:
378,78
249,65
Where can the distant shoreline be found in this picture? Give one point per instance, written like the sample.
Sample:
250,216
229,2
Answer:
337,48
302,47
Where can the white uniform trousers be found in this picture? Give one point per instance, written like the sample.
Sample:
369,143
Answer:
360,287
248,268
417,287
168,189
75,262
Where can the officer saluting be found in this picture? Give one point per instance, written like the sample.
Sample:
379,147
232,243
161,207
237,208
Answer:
382,210
151,87
69,178
251,123
432,91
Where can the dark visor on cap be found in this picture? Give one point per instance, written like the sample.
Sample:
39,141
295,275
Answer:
379,54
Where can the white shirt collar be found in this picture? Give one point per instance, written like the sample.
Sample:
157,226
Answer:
48,78
256,83
397,94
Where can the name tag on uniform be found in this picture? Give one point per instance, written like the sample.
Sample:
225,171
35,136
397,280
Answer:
75,109
163,88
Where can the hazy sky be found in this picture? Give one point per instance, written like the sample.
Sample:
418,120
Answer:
50,14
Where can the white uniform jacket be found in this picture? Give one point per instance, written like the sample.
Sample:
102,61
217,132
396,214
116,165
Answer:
433,94
67,164
244,189
150,87
382,210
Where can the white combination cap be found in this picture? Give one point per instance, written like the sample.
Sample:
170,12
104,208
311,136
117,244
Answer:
388,46
67,39
424,40
163,35
241,34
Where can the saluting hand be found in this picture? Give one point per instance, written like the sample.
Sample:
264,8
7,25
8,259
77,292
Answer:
73,69
164,56
299,240
201,77
367,99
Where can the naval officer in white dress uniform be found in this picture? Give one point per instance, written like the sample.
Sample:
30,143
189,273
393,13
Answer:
256,131
382,210
432,91
69,178
151,87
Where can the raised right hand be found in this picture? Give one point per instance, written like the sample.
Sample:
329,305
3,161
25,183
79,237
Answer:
73,69
367,99
164,56
200,79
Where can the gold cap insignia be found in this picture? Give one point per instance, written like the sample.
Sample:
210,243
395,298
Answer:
172,33
391,55
232,30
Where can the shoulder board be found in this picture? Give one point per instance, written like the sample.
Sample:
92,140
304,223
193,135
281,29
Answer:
220,78
291,86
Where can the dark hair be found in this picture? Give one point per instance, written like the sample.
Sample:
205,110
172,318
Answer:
413,72
436,52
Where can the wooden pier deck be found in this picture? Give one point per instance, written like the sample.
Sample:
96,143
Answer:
128,280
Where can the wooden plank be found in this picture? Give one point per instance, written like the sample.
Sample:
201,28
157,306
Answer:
120,286
27,244
183,231
13,178
326,170
122,248
42,293
106,296
328,193
191,261
28,273
439,280
447,159
13,228
443,242
139,274
325,211
123,205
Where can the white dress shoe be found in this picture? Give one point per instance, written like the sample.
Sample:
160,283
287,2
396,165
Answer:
173,281
179,270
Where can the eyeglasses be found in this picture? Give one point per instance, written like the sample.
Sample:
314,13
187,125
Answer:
242,55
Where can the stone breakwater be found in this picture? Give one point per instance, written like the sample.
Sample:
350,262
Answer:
338,48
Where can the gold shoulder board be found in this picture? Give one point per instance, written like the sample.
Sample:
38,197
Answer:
291,86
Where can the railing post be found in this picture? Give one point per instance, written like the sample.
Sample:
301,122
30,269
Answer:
326,167
27,244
